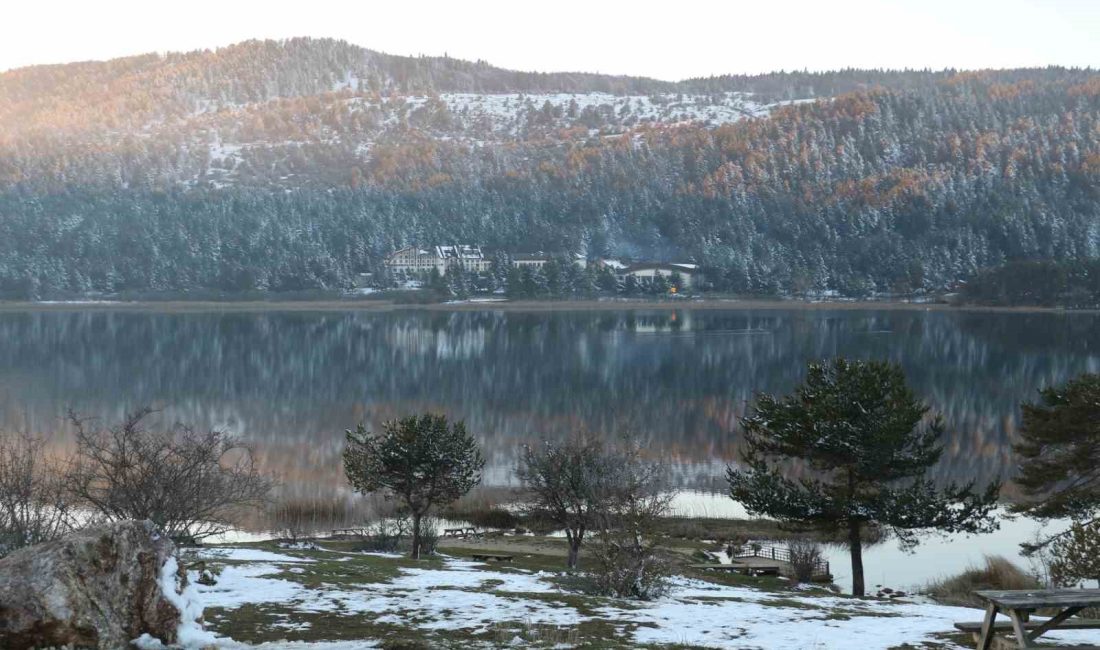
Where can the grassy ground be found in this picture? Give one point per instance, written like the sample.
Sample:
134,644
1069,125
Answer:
337,565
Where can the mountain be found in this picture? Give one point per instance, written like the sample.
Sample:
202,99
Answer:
296,164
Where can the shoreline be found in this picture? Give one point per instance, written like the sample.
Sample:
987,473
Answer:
333,305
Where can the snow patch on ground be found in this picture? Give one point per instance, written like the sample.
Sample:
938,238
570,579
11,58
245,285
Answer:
249,555
189,633
243,584
466,595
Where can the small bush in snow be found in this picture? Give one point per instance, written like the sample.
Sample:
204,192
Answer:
806,555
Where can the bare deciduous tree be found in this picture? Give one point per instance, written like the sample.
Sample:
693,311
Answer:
189,483
33,504
637,497
566,482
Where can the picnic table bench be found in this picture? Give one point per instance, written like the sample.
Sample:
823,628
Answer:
1018,605
747,569
358,532
485,557
460,532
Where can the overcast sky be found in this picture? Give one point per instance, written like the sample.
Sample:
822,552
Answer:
671,39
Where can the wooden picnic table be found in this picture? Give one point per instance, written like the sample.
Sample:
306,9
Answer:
465,532
485,557
1018,605
358,532
747,569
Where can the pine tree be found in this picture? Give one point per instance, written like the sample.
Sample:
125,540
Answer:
676,281
1076,555
437,283
659,285
1059,452
537,283
423,461
514,286
630,286
457,282
586,281
855,428
1059,460
554,275
606,281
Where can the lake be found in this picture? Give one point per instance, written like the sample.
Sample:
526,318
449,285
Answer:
678,380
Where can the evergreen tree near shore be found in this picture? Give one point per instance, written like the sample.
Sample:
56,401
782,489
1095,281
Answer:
1076,555
1059,452
1059,473
422,460
847,454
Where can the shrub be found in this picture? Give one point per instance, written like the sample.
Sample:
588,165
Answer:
495,518
806,555
628,571
482,515
997,574
298,518
33,507
628,564
191,484
386,536
429,535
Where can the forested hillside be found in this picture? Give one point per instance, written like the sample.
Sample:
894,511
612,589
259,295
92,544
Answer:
294,165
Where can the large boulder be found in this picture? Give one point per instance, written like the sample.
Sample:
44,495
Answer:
97,588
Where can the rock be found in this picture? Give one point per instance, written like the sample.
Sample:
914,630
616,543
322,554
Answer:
206,578
96,588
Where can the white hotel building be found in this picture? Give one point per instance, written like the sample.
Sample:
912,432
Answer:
417,261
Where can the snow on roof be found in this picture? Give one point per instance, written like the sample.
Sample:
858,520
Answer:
462,251
668,266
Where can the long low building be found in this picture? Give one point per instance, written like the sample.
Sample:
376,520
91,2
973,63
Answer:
650,271
412,260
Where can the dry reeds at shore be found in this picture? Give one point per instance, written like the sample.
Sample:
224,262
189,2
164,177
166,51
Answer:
997,574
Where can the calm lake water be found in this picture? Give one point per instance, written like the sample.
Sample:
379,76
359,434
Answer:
291,382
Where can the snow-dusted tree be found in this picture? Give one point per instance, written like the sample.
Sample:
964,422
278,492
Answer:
860,444
422,460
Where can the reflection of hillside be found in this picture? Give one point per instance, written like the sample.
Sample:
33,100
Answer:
294,381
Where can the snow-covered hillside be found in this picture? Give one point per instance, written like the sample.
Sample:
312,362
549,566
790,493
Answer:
354,124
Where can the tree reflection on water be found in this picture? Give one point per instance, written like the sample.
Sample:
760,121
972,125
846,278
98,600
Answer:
678,380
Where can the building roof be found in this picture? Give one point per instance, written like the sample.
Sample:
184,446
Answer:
537,256
459,251
419,251
667,266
